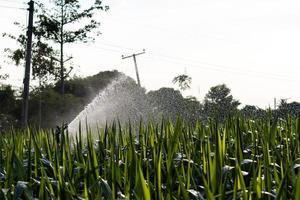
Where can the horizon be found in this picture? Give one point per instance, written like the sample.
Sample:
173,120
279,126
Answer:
252,47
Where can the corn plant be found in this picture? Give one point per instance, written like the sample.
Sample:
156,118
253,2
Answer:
239,159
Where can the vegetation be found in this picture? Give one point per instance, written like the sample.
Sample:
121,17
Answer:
219,103
44,102
66,22
58,23
183,80
170,103
161,145
240,159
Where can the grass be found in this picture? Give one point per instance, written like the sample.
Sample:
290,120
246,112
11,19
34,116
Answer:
240,159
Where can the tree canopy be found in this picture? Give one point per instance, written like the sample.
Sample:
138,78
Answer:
219,103
184,81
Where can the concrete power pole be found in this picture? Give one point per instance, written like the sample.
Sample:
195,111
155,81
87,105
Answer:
135,64
27,67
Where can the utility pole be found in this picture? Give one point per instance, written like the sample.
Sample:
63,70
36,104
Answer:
135,64
275,104
27,67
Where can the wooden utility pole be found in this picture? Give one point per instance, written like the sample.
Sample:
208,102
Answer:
27,67
135,64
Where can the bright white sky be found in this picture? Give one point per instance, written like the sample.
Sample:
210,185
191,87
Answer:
252,46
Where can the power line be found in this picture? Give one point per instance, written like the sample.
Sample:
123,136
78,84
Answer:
218,65
12,7
185,60
105,49
12,2
203,65
244,73
116,46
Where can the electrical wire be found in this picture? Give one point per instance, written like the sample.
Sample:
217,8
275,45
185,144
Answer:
12,7
223,67
12,1
202,65
197,62
244,73
14,4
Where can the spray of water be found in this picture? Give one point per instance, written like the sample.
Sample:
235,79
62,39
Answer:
122,99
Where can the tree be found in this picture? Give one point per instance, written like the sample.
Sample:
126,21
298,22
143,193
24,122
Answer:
59,22
66,23
42,66
183,80
253,112
219,103
193,109
294,109
288,109
166,102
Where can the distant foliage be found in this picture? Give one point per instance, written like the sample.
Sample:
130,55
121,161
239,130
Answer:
184,81
253,112
219,103
285,109
171,104
128,101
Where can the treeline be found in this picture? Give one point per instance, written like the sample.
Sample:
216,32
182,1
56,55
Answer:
128,101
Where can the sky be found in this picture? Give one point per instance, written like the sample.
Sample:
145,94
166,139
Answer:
252,46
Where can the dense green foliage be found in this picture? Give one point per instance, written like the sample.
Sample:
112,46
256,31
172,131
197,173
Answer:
238,159
219,103
171,103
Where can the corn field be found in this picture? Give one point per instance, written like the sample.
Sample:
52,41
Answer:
239,159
